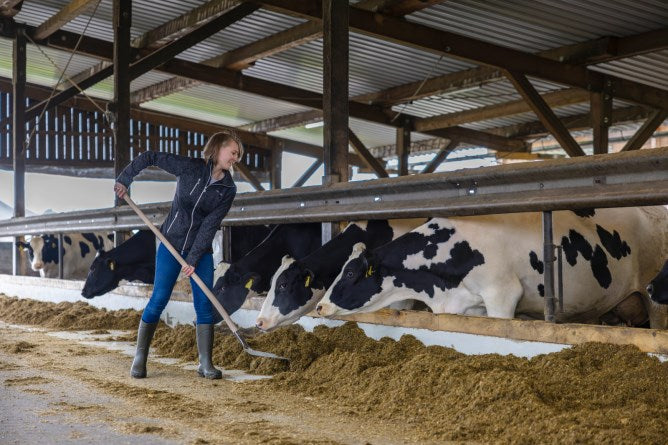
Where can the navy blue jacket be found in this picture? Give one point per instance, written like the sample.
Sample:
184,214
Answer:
198,207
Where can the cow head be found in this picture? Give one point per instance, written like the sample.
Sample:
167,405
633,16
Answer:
102,276
658,287
293,293
358,288
42,250
233,286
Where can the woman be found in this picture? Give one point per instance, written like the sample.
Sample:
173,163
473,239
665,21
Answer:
204,194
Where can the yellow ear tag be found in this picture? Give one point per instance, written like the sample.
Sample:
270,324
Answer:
249,283
308,281
112,265
53,245
369,271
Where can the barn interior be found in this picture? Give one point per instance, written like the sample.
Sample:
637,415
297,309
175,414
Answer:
379,104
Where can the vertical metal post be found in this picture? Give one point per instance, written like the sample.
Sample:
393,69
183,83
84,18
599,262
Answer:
60,255
548,260
276,165
19,262
403,147
227,244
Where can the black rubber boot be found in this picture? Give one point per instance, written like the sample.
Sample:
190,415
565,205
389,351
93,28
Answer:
205,348
144,337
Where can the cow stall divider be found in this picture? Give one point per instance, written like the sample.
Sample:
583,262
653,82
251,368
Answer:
598,181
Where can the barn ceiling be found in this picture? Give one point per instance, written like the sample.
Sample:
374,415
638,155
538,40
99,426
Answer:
446,92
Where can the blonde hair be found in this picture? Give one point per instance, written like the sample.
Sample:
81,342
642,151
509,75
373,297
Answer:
217,141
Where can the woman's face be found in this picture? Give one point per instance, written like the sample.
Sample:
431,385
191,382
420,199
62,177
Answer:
228,155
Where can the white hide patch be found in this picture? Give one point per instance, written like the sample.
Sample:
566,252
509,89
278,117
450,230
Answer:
221,268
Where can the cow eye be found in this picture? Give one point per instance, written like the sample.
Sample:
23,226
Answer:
349,274
282,286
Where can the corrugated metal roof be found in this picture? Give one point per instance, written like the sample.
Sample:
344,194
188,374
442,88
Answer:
535,25
224,106
527,25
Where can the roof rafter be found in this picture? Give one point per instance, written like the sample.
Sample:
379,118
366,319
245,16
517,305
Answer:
472,50
555,99
62,17
234,80
183,24
243,57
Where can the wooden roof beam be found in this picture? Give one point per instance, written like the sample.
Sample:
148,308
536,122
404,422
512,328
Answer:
472,50
440,157
535,129
234,80
161,89
183,24
400,8
283,122
82,75
367,157
245,56
600,50
68,13
9,8
545,113
554,99
646,130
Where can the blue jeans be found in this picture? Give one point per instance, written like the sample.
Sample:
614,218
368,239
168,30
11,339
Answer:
166,272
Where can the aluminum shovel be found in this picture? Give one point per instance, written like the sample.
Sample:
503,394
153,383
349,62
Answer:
233,327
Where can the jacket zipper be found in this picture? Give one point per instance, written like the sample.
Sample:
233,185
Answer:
172,223
196,184
192,214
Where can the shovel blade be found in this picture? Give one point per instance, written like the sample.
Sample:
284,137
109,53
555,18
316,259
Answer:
265,354
252,351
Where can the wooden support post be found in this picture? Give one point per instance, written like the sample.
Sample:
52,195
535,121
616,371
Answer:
276,166
403,148
335,98
640,137
19,262
121,104
440,156
601,118
545,113
335,89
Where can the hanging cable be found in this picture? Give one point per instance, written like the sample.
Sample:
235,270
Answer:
62,74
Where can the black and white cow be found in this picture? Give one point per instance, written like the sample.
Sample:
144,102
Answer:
79,250
491,265
658,287
251,275
135,259
298,285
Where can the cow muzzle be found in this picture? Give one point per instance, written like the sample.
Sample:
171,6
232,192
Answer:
37,265
325,309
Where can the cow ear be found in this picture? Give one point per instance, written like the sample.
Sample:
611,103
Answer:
21,245
308,277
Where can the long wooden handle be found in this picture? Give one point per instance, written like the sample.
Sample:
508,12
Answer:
233,327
